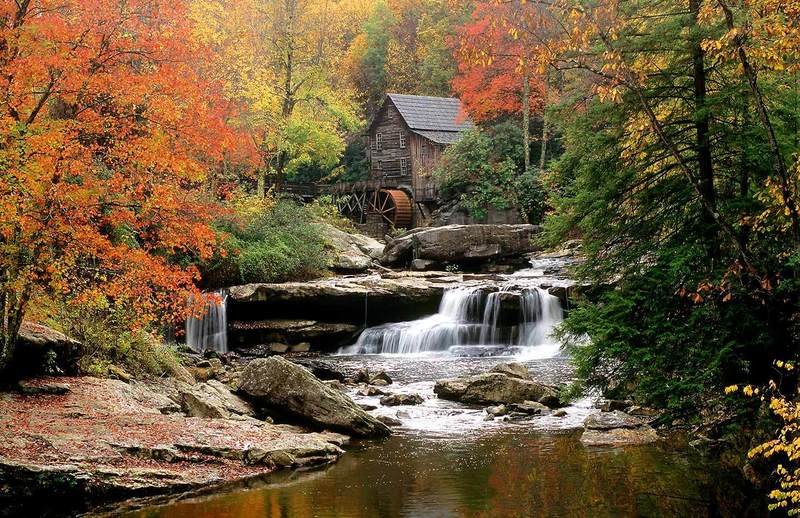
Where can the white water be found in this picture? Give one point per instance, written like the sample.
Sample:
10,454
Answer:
210,330
471,321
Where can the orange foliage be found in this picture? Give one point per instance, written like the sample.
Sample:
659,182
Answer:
107,133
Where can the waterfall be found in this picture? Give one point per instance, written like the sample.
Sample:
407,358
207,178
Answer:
210,330
504,320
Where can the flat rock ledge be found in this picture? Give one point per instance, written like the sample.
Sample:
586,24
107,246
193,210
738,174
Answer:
104,441
616,428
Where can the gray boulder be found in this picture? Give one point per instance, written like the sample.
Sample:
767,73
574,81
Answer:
512,369
281,386
495,388
462,243
42,350
350,252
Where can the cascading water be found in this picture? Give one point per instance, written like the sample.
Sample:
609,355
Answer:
210,330
499,322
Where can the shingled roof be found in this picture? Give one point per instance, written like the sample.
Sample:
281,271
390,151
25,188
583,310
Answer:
440,119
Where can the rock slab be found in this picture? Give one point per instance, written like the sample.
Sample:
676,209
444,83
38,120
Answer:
494,388
284,387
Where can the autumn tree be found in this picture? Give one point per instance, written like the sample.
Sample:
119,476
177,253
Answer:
107,130
502,67
280,61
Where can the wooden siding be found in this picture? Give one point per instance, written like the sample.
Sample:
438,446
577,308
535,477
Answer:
397,166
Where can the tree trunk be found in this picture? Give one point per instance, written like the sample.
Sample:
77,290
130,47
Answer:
526,118
261,190
702,139
545,139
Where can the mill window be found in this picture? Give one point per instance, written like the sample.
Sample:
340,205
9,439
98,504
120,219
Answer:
403,166
379,141
402,140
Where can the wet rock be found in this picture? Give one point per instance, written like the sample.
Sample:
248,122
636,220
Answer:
380,379
494,388
369,391
338,385
368,408
361,376
559,413
389,420
42,350
529,408
403,414
497,410
303,333
488,417
282,386
462,243
478,351
401,400
322,369
616,428
515,370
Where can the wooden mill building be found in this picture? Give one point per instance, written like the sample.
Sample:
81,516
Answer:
407,137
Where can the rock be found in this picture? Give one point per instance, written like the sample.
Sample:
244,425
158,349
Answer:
282,386
277,348
422,265
529,408
361,376
322,369
389,420
515,370
349,252
620,436
401,400
370,391
497,410
403,414
610,405
212,400
36,387
338,385
609,420
107,441
462,243
489,417
42,350
380,379
559,413
119,373
616,428
368,408
303,347
494,388
479,351
641,411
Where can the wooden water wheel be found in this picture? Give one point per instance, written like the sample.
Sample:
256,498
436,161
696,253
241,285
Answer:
395,206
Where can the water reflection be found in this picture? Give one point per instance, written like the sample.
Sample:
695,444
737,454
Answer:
506,474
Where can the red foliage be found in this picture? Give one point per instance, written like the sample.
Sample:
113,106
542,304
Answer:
493,55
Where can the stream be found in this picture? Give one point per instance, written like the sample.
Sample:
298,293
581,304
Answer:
447,460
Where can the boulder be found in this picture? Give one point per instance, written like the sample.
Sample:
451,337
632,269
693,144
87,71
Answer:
389,420
529,408
349,252
322,369
302,347
497,410
423,265
380,379
401,400
212,400
462,243
42,350
283,387
616,428
370,391
512,369
495,388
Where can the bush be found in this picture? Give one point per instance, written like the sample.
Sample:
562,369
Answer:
108,339
269,240
477,172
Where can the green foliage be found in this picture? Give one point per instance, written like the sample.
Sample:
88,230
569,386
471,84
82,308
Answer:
268,241
108,338
481,176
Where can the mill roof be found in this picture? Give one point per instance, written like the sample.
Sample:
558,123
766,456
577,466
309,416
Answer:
440,119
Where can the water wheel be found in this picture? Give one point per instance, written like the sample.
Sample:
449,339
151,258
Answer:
394,206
